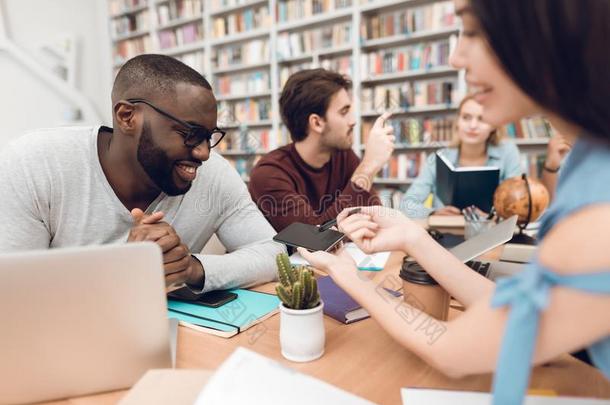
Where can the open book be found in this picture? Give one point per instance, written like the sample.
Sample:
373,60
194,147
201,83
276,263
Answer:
465,186
250,308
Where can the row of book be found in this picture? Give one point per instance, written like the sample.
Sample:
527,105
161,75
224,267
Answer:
288,70
252,52
183,35
243,84
292,44
129,23
219,5
425,18
419,93
120,6
420,131
530,128
244,111
290,10
403,166
176,10
243,166
414,57
341,64
193,59
129,48
242,21
249,140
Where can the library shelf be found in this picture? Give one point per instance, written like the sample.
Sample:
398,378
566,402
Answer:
231,97
240,37
392,182
130,11
248,124
434,108
239,153
240,68
531,141
403,39
237,7
376,6
415,148
315,20
131,35
179,22
410,74
322,53
182,49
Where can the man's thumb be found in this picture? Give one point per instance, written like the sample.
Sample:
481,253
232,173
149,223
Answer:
137,215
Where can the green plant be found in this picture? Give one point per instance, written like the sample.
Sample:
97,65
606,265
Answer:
298,288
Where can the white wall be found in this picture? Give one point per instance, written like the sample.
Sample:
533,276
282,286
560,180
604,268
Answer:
26,102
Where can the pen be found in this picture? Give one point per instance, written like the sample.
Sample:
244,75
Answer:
328,224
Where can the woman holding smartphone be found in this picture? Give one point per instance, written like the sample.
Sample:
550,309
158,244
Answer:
475,143
521,57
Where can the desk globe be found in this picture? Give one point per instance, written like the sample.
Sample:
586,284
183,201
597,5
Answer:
522,196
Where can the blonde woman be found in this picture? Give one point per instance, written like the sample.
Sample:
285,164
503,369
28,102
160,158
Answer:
475,143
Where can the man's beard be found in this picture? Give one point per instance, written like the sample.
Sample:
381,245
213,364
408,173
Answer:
157,165
332,141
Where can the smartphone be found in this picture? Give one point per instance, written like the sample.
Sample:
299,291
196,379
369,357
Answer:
309,237
212,299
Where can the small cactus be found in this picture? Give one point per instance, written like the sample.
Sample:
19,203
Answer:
298,288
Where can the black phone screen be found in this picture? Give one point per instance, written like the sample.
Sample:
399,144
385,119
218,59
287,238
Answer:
212,299
309,237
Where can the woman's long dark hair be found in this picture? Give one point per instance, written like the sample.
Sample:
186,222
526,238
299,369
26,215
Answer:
557,52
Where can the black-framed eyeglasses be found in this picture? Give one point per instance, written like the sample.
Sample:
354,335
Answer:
196,134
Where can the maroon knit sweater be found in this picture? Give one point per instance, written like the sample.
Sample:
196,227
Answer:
287,190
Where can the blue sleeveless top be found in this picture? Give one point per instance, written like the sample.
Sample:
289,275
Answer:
583,180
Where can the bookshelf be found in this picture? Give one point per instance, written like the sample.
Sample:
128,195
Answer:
395,51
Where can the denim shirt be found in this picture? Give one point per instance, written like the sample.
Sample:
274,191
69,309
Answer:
505,156
583,181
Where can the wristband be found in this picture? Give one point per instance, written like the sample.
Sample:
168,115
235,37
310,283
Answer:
548,169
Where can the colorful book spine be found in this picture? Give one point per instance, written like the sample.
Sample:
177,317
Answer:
431,17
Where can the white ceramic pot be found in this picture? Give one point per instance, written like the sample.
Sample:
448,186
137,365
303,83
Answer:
302,335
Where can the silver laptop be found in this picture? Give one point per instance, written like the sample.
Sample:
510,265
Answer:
484,242
81,320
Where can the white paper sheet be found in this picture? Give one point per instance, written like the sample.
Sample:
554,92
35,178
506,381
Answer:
422,396
374,262
247,377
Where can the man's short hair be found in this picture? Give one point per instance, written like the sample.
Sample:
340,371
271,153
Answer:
308,92
150,75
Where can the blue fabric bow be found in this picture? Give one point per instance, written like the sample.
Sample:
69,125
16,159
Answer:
527,294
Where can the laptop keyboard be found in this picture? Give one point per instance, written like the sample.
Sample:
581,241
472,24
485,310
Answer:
480,267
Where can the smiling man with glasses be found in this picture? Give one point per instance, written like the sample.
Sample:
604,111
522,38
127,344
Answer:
152,177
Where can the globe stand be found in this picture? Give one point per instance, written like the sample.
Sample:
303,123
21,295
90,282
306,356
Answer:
521,238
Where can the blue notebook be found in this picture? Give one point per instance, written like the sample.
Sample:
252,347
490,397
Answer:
250,308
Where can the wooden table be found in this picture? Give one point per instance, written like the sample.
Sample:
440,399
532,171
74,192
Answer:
362,358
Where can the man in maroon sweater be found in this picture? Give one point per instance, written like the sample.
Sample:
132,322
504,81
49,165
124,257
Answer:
317,175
